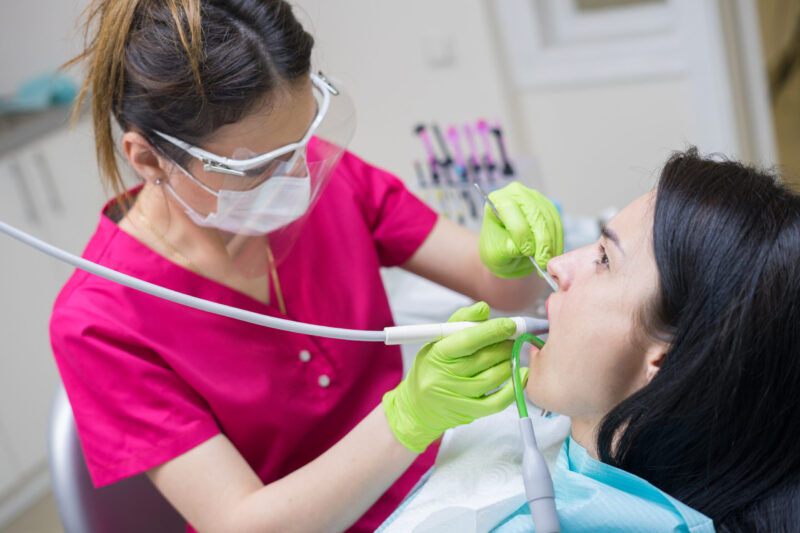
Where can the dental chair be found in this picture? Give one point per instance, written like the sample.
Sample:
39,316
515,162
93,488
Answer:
130,505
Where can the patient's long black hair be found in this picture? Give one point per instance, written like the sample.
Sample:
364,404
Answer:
718,427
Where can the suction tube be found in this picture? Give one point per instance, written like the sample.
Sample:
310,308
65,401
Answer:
538,484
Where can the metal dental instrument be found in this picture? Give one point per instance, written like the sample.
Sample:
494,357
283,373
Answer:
426,142
508,170
541,272
483,133
473,151
441,177
462,170
448,159
453,179
414,334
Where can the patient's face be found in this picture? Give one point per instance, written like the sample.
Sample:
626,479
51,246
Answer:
592,359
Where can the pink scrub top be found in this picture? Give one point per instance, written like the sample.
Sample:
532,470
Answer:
149,379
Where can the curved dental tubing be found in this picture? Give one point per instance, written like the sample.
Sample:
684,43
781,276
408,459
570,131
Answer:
391,335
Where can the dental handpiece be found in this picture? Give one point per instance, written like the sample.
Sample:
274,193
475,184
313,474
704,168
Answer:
423,333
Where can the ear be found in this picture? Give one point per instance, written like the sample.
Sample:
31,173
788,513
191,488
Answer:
654,356
144,159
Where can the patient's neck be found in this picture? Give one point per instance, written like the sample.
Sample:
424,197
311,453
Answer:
584,432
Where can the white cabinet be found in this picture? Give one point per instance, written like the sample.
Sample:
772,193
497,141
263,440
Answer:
49,188
26,289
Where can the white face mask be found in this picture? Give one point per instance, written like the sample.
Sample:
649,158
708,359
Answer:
277,202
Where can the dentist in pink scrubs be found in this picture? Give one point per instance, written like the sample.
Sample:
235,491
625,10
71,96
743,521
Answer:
250,198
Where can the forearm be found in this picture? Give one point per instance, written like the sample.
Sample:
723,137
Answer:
334,490
509,295
449,256
217,491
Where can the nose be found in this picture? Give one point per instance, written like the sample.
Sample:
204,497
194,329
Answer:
559,268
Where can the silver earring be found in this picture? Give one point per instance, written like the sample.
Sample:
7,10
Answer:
159,181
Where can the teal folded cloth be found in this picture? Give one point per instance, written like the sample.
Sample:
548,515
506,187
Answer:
595,497
41,92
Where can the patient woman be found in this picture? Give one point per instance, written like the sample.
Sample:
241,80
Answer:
674,348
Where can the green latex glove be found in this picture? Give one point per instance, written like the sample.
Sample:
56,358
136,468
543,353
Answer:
532,228
449,379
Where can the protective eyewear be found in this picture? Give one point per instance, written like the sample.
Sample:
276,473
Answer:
258,165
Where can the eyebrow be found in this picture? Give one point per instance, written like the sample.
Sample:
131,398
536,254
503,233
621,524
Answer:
609,234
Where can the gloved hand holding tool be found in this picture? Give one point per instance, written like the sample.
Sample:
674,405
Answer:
530,228
449,380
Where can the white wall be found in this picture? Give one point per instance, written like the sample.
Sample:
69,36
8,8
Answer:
387,52
36,36
405,62
604,97
597,144
602,145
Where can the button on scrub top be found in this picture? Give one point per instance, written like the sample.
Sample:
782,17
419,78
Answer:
149,379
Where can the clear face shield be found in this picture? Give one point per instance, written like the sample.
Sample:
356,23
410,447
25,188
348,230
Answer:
253,205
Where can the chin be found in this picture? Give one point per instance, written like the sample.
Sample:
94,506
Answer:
530,392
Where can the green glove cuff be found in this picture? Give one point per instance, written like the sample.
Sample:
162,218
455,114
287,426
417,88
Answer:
407,428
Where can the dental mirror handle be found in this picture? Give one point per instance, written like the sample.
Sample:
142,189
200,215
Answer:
424,333
544,275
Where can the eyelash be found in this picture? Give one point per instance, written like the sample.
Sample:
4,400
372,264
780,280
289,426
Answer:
603,260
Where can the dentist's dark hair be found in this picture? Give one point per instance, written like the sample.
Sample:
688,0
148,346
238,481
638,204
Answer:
718,427
184,67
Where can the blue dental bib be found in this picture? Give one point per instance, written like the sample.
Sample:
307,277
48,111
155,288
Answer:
595,497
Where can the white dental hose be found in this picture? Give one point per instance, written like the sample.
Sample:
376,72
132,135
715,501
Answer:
417,334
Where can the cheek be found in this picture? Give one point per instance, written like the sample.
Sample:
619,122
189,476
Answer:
192,193
581,381
618,375
588,364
